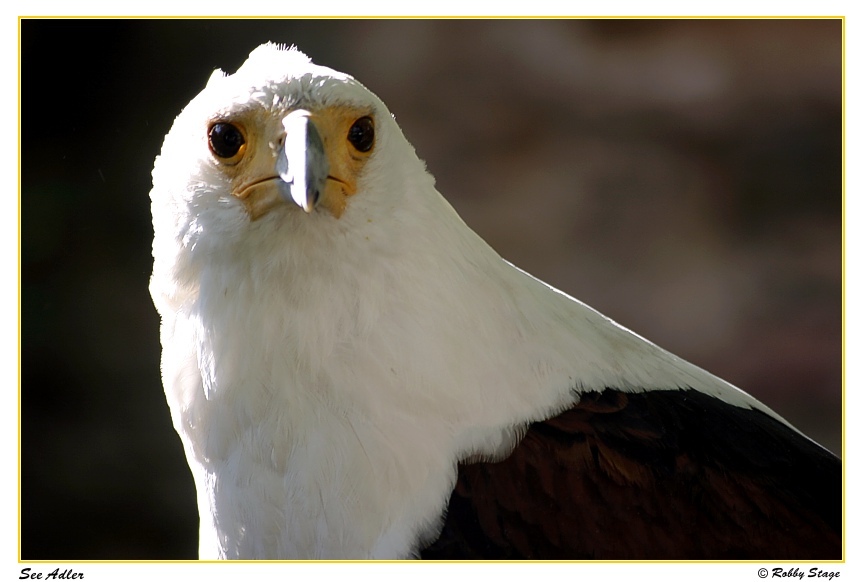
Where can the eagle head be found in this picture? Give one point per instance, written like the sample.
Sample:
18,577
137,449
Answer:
281,147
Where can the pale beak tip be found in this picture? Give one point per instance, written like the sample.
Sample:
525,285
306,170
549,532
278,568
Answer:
301,198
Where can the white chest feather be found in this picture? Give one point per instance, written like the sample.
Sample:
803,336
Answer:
324,415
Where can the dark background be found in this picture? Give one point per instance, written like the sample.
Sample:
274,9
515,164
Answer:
683,177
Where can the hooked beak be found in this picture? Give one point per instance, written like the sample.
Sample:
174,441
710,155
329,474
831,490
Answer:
301,162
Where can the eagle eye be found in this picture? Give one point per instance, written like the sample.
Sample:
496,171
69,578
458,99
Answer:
226,141
362,134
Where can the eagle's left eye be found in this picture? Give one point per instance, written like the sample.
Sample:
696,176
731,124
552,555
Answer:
226,142
362,134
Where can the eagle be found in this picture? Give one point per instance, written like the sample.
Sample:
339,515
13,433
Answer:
355,374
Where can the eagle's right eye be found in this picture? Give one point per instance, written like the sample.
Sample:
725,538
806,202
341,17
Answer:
226,142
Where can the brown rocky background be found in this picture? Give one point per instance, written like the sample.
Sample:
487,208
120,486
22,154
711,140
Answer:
684,177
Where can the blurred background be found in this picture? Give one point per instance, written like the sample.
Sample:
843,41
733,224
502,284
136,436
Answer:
682,176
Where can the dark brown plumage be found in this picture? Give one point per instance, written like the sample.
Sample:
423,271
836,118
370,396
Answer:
653,475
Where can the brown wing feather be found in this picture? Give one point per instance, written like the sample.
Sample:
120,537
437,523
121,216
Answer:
654,475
